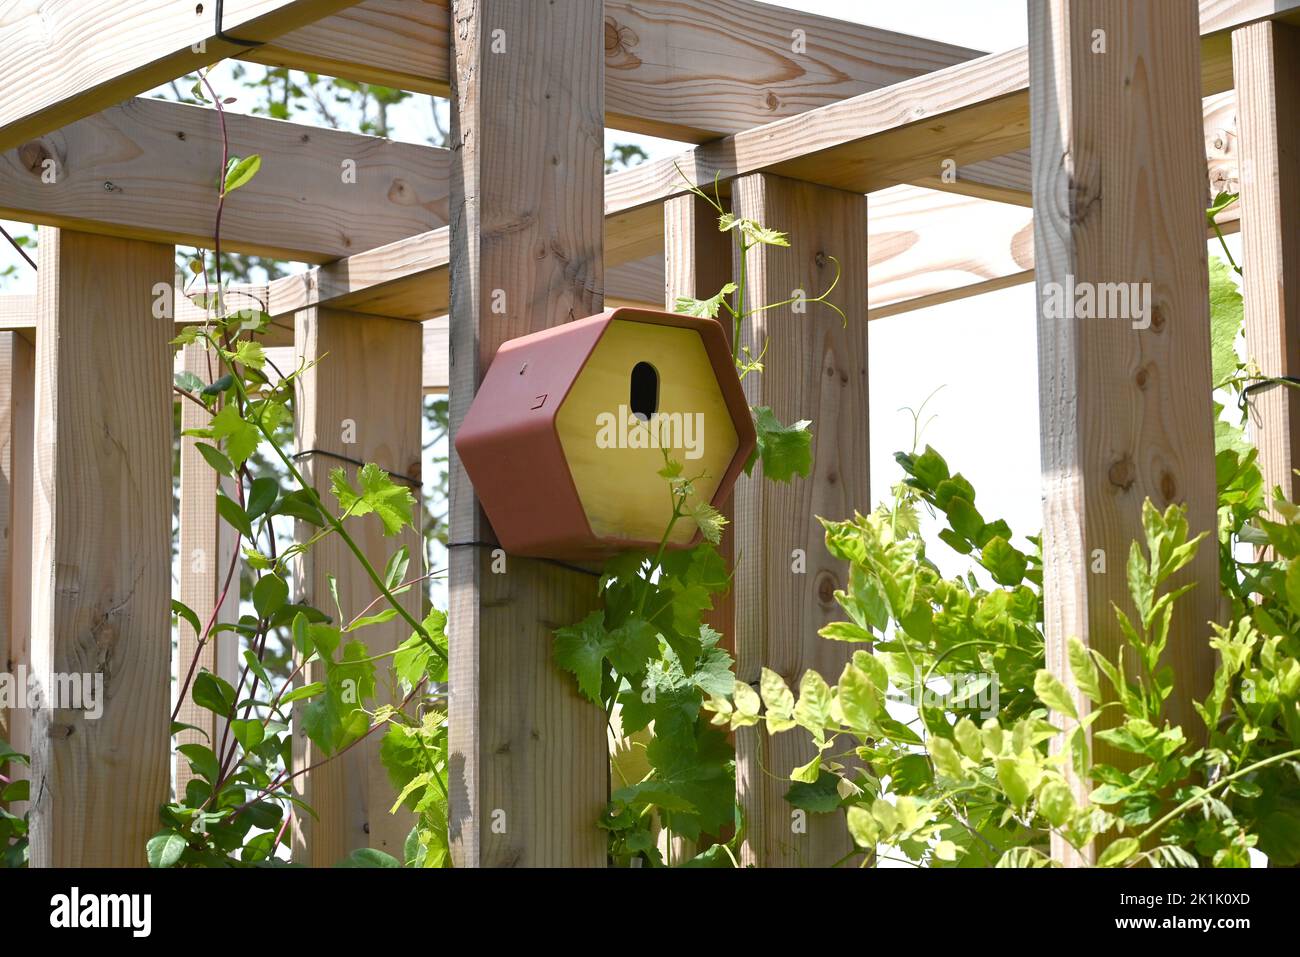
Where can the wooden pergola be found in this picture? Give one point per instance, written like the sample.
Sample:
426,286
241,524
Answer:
931,171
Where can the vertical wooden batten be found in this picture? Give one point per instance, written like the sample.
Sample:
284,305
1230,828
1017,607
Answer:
1265,57
17,397
1119,197
207,549
529,760
101,535
361,399
815,368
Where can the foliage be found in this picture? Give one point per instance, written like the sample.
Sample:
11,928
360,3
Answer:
13,827
953,778
648,659
241,801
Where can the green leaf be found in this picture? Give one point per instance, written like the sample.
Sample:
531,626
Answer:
240,171
703,308
242,438
186,613
202,761
261,496
369,857
863,827
215,458
234,516
1053,693
1118,852
786,451
378,494
946,759
165,848
249,733
1227,317
214,693
269,595
860,699
395,570
1084,669
581,649
818,797
1005,562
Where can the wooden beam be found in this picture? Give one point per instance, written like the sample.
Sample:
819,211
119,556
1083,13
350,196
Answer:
148,169
662,56
661,59
17,397
816,368
697,264
1125,407
361,399
101,533
209,571
529,757
67,59
1265,57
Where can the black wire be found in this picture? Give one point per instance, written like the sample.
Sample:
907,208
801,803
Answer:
222,35
549,561
1263,384
351,461
22,252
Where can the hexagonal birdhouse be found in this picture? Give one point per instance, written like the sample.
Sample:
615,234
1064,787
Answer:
566,437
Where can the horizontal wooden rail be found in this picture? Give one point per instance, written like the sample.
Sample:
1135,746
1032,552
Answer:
148,169
65,59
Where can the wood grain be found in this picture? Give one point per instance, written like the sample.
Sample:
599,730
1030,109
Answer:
529,760
101,532
207,548
1125,411
148,169
67,59
17,399
1265,56
365,387
816,368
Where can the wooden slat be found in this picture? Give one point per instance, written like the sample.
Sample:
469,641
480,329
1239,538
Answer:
528,755
816,368
364,388
697,263
17,397
209,573
67,59
1125,411
146,169
664,72
101,534
1266,57
662,58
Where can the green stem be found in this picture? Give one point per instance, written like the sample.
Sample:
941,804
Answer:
341,531
1222,782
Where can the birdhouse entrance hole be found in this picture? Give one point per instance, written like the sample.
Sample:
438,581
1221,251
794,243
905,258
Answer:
644,398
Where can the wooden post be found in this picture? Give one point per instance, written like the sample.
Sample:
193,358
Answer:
207,548
816,368
101,533
529,759
17,384
361,400
1264,57
697,263
1119,197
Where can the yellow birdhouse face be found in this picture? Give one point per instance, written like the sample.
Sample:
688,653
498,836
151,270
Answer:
568,437
647,391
